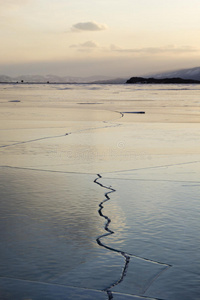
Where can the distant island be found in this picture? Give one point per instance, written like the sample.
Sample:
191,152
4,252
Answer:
175,80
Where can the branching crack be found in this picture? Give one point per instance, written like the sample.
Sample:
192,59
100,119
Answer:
62,135
35,140
126,256
109,232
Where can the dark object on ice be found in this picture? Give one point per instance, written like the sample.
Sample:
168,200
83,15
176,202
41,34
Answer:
175,80
14,101
133,112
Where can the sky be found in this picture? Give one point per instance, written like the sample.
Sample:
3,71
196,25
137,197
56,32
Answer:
98,37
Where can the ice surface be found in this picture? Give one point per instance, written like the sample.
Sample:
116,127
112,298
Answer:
52,148
18,289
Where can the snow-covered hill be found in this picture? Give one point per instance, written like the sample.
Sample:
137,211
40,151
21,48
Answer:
55,79
193,73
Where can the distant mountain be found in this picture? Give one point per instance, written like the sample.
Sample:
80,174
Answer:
193,73
60,79
4,78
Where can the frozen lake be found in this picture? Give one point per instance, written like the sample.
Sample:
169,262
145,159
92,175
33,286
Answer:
98,200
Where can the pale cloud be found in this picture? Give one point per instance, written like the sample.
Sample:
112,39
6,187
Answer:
115,48
171,49
88,44
89,26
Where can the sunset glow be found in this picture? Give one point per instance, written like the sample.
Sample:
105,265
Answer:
93,37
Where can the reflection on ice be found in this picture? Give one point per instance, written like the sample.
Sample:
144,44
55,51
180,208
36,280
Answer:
161,227
48,223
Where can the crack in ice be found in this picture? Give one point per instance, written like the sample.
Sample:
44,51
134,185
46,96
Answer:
109,232
126,255
62,135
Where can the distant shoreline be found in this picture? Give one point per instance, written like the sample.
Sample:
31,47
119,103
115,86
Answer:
51,83
132,80
174,80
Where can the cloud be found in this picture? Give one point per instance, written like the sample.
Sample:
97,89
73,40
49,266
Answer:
89,26
171,49
88,44
115,48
